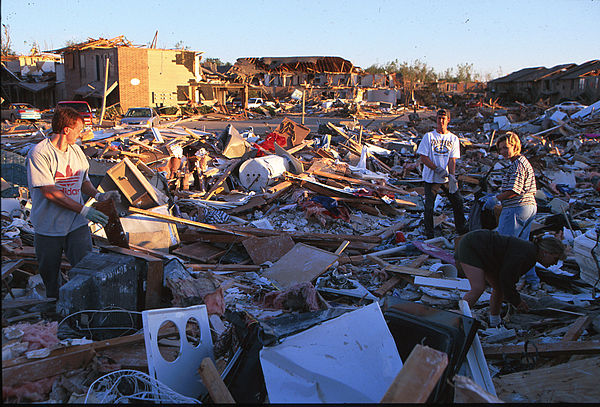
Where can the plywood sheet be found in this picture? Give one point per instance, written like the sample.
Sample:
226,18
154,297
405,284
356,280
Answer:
199,251
301,264
271,248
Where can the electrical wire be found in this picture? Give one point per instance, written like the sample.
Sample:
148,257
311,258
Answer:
108,389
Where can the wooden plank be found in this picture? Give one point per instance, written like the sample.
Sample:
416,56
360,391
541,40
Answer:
9,267
392,281
544,349
576,329
225,267
412,271
270,248
222,178
254,202
214,384
175,219
467,391
154,284
199,251
113,229
418,377
569,383
303,263
33,370
23,303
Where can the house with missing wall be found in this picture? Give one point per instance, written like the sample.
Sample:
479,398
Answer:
137,75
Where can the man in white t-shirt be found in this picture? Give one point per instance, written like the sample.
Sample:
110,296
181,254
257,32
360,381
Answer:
438,152
57,172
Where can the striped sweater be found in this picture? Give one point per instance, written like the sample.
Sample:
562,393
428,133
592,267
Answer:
520,178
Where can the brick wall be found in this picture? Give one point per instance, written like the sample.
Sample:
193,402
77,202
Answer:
133,64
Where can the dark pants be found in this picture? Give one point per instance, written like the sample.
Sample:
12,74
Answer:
456,200
49,251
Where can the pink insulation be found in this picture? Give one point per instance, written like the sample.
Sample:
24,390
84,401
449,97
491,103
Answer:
39,335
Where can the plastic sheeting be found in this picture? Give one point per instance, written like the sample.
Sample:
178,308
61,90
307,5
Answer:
352,358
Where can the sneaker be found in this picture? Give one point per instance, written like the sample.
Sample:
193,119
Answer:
535,285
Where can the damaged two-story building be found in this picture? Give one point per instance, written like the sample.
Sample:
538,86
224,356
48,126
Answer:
137,76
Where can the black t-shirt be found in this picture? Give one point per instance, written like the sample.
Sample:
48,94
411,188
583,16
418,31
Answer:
505,257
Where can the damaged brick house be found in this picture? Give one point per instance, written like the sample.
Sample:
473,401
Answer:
559,83
324,73
137,76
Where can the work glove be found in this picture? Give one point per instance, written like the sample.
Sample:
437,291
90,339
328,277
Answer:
94,215
489,201
441,172
452,184
105,196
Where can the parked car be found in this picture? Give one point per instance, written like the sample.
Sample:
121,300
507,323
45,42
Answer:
82,107
255,102
21,111
141,116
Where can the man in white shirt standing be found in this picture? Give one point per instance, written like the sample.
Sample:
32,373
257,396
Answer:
438,151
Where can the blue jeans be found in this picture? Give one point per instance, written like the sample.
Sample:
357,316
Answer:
511,223
49,251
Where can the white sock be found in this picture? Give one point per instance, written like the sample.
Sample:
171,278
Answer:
495,320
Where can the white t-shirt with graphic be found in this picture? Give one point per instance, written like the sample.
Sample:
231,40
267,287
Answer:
67,170
439,148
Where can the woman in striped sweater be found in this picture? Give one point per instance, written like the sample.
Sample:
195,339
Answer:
517,196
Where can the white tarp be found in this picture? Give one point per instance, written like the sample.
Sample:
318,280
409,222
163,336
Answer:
350,359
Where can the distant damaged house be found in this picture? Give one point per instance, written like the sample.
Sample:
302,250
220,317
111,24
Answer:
318,72
291,71
137,76
561,82
37,79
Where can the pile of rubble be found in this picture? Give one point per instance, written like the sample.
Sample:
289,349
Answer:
307,236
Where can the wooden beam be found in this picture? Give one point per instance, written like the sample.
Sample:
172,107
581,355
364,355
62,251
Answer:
391,282
214,384
569,383
467,391
182,221
418,377
222,178
544,349
37,369
576,329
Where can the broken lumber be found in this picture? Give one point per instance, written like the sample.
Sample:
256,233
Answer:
214,384
576,329
182,221
467,391
391,282
418,377
572,382
544,349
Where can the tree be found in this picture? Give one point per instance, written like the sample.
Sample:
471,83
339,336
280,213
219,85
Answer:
217,62
181,45
5,43
413,71
465,72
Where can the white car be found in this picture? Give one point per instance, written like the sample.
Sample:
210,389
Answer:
141,116
255,102
21,111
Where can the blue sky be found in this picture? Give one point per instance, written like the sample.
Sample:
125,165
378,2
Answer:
495,36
